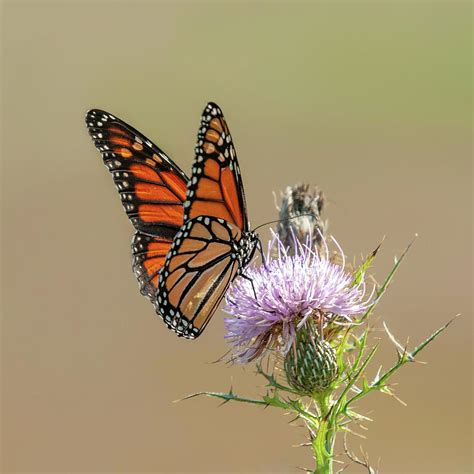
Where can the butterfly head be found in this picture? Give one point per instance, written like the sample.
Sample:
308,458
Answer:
246,248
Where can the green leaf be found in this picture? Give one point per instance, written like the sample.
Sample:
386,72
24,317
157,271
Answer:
341,401
227,397
432,337
270,399
358,275
386,283
402,360
340,351
272,381
312,419
361,343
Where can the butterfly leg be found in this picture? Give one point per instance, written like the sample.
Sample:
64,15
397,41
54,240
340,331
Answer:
260,249
251,282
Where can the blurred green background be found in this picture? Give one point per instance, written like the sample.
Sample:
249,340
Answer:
369,100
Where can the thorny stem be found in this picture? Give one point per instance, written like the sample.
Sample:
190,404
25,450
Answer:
323,443
332,415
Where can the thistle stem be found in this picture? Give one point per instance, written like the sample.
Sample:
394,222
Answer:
323,443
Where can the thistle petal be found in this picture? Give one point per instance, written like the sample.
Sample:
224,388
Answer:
289,289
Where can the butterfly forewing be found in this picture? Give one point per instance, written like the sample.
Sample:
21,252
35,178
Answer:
198,270
152,188
216,188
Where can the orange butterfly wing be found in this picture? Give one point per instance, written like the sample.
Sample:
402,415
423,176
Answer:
214,244
216,187
197,272
149,254
152,189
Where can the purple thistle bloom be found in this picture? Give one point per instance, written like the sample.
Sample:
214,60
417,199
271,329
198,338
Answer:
289,289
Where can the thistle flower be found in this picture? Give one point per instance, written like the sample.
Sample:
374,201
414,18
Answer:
275,299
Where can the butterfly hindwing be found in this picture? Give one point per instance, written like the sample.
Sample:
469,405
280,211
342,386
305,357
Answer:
216,187
200,266
149,254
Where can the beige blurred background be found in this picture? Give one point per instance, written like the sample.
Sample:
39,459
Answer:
370,100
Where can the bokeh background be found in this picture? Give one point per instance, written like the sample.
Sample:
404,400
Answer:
369,100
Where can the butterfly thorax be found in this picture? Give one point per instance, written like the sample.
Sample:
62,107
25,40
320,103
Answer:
245,249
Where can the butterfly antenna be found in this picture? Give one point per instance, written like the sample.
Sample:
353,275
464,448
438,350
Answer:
287,219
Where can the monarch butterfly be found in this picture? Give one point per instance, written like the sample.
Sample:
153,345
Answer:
192,235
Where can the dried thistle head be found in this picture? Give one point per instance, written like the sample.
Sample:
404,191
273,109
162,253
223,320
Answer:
300,215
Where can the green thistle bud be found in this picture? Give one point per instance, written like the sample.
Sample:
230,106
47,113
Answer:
310,365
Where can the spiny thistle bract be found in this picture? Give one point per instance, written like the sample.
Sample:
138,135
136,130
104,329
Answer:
310,365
